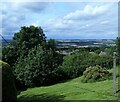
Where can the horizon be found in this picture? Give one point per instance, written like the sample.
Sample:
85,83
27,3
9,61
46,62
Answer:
72,39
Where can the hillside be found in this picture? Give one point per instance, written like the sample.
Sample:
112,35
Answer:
71,90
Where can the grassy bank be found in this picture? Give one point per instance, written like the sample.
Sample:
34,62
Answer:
71,90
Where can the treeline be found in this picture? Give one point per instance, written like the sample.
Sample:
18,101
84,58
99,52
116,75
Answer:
35,61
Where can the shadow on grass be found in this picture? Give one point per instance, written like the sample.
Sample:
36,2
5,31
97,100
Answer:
42,98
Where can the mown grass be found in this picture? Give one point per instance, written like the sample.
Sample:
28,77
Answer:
71,90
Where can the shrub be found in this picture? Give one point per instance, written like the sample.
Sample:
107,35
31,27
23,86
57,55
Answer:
101,60
8,85
95,73
74,65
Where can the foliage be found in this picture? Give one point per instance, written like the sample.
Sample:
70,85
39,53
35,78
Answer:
27,38
103,61
23,41
51,44
8,85
74,65
110,50
40,67
9,55
95,73
32,58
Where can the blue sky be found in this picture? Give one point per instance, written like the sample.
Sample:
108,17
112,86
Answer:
62,20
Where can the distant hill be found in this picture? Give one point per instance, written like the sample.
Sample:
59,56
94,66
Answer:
77,42
85,42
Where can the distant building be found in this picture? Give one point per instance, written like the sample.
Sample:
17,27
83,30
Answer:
63,52
102,53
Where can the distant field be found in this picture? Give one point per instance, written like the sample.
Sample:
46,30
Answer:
70,90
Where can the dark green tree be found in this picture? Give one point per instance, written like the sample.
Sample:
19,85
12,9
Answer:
23,41
74,65
27,38
40,67
50,44
9,55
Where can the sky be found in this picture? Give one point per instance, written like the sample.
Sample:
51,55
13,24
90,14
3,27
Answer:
62,20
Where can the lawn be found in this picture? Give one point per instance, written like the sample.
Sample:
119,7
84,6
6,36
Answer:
70,90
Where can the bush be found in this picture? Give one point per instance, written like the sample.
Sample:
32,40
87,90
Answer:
101,60
96,73
40,67
8,85
74,65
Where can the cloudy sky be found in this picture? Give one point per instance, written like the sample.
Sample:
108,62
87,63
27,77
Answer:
62,20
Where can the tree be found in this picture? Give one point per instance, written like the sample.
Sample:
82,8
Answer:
23,41
27,38
74,65
50,44
40,67
9,55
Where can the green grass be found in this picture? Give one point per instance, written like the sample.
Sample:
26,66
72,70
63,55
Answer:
70,90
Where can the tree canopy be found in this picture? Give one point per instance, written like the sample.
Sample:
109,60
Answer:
40,67
23,41
33,59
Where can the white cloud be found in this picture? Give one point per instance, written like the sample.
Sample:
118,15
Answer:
88,12
105,22
91,22
75,20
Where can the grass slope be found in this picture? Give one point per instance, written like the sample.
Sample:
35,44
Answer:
70,90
